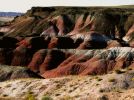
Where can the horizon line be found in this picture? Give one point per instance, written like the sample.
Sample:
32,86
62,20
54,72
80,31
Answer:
70,6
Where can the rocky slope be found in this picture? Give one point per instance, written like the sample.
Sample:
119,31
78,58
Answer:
113,86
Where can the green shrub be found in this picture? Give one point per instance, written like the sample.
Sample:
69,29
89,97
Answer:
30,96
119,71
67,97
132,79
111,80
46,98
101,90
99,79
129,68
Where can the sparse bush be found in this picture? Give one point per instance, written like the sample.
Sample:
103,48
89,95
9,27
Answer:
119,71
46,98
112,80
129,68
104,97
97,84
101,90
99,79
132,79
5,95
66,97
30,96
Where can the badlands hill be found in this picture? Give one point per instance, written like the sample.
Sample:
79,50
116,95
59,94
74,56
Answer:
61,21
56,42
50,63
74,22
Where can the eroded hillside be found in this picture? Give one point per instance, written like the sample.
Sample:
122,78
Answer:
109,23
51,42
62,41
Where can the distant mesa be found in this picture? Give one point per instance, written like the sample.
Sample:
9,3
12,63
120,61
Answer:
10,14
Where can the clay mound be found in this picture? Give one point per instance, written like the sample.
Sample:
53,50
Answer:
37,60
15,72
52,60
61,62
93,62
21,56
